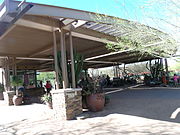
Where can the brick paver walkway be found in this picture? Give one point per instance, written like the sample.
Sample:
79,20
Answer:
130,112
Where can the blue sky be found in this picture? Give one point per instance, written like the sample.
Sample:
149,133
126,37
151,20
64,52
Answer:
127,9
110,7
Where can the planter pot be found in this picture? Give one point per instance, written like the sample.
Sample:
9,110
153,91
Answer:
96,102
1,96
49,104
17,100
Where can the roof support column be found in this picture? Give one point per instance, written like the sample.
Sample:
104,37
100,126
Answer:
7,75
14,72
56,61
166,67
14,66
72,62
8,72
116,71
63,61
35,78
124,70
65,58
115,68
2,78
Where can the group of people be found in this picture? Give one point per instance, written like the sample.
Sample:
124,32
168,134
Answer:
175,79
102,80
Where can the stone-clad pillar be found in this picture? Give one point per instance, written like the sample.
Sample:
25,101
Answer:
8,97
67,103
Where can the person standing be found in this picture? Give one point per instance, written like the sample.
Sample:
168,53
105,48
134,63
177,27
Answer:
48,87
108,80
175,78
164,79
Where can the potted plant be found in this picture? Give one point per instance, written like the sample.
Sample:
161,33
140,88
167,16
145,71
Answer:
1,91
94,95
47,99
16,82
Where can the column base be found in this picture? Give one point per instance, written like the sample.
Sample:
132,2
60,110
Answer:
67,103
8,97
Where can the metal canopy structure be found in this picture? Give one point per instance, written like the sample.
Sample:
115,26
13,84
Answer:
26,31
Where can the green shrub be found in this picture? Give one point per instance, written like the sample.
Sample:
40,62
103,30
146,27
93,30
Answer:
46,98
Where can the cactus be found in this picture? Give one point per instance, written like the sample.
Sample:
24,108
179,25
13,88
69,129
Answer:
156,70
78,66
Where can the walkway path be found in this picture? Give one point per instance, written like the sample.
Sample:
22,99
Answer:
130,112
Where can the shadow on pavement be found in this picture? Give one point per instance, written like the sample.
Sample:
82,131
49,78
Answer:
153,103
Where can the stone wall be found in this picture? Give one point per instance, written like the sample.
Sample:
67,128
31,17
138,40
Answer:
8,96
67,103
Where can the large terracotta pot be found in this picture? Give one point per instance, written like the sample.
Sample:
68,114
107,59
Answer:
17,100
1,96
96,102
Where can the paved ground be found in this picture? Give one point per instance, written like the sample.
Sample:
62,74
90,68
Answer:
141,111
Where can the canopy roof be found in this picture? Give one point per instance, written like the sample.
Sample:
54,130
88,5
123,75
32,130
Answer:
27,34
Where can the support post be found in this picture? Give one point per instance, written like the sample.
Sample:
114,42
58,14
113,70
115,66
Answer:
56,60
116,68
8,75
72,62
65,58
70,103
124,69
8,95
5,77
14,70
2,78
63,61
35,78
114,71
166,67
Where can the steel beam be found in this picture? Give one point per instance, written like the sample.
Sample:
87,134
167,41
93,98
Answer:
114,53
93,38
103,62
34,25
39,59
58,12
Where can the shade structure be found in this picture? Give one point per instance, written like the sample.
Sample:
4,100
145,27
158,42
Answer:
28,35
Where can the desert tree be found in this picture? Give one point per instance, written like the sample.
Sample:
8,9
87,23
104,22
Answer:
144,39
